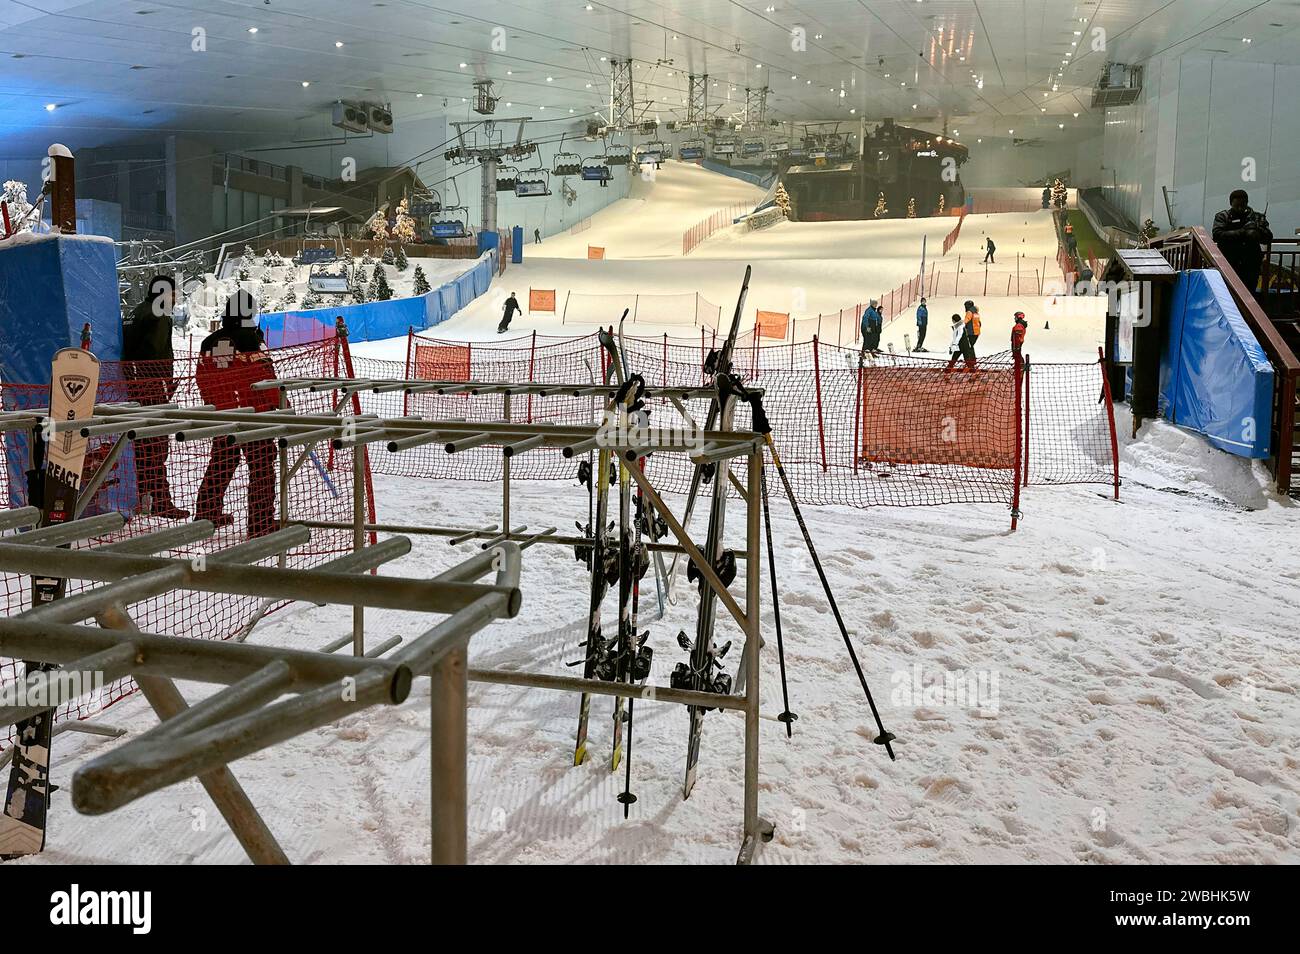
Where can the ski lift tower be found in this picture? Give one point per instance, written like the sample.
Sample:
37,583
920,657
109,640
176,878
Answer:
488,151
756,106
697,100
622,100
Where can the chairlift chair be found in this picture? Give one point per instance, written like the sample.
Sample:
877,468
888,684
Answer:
691,149
533,182
567,164
752,148
596,170
507,176
618,154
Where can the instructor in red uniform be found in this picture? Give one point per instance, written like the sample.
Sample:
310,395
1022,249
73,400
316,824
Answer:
231,360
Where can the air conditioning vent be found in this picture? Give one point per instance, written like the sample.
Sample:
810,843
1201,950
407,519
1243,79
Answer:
351,117
381,120
1118,85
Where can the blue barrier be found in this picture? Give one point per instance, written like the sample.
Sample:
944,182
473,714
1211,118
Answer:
763,181
1214,376
376,320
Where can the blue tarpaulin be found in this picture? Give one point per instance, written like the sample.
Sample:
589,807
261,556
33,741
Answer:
382,319
1214,376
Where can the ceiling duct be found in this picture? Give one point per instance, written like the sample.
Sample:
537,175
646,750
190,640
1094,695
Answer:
1118,85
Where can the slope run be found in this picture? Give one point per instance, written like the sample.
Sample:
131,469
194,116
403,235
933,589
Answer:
649,224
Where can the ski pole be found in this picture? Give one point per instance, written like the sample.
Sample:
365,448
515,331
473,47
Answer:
764,427
787,716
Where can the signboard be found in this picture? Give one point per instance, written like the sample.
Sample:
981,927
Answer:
314,256
594,252
449,229
531,187
328,284
772,324
724,148
595,173
541,299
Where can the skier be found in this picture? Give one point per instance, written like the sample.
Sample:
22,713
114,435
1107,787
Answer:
989,249
972,321
959,346
231,360
1239,231
1018,333
922,319
872,325
150,379
537,236
511,306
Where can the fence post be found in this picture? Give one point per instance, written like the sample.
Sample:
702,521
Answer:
817,379
857,420
1025,469
406,371
364,460
532,357
663,381
1015,473
1110,417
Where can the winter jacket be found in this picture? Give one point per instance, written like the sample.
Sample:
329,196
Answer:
147,336
922,316
958,333
1239,236
872,323
231,360
512,306
1017,336
990,246
972,323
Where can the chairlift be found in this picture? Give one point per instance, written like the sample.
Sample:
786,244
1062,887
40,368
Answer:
425,204
691,149
533,182
724,146
507,176
618,154
753,147
452,224
567,164
595,170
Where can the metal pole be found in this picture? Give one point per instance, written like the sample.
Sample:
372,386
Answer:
448,728
752,568
358,540
505,472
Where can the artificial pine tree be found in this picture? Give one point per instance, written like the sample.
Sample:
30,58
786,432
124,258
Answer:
403,224
1059,194
782,199
880,206
379,288
399,260
388,256
421,286
942,201
15,198
911,208
356,289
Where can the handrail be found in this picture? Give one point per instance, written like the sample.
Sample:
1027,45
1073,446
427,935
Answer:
1202,252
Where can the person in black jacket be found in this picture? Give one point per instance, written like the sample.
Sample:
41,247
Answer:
989,249
511,306
150,379
1239,231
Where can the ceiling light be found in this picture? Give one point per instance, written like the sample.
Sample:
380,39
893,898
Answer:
306,83
338,44
956,133
1076,115
570,109
463,65
1011,132
1078,33
550,79
509,104
758,66
419,96
51,107
1042,109
793,77
886,76
252,29
602,59
1245,39
1060,125
817,36
851,111
589,6
979,140
588,86
914,105
1074,43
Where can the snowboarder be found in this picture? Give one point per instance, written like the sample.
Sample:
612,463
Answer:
972,322
989,249
150,379
231,360
1018,333
537,236
872,325
959,346
922,320
1239,231
512,306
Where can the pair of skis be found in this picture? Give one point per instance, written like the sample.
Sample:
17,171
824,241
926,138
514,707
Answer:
54,483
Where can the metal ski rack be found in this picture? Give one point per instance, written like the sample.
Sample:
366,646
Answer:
250,714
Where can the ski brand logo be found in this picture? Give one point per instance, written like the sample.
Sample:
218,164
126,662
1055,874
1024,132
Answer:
77,907
73,385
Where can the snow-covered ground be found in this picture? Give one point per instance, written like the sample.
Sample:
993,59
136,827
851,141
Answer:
1139,700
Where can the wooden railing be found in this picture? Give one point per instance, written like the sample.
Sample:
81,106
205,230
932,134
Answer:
1193,248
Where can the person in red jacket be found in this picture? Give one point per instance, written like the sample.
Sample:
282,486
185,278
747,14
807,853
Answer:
231,360
1018,332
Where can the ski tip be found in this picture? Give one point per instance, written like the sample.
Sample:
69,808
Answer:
580,755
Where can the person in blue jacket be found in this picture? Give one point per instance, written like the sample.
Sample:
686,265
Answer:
922,320
872,325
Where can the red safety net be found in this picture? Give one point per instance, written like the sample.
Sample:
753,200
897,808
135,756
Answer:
192,474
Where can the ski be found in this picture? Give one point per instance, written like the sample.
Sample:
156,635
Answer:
57,462
717,362
704,670
636,665
597,652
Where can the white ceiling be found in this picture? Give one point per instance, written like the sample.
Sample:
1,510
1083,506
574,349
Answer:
114,68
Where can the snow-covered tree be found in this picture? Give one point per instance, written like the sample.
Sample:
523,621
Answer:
15,198
387,258
377,225
880,206
310,300
782,199
1059,194
404,225
911,208
942,202
356,289
399,260
379,288
290,297
421,285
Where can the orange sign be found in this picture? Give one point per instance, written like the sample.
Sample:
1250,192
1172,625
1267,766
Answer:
541,299
595,252
773,324
441,362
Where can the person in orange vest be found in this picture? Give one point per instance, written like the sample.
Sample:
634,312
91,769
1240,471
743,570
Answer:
972,322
